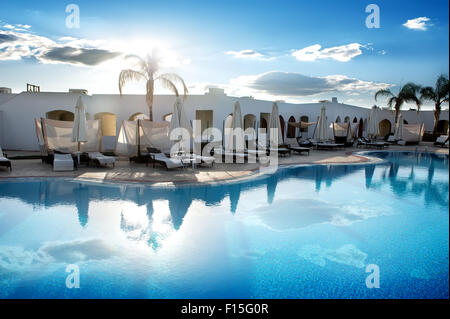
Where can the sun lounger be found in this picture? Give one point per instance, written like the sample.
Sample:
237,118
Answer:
100,159
293,145
208,160
4,161
156,157
63,162
368,144
282,151
392,140
441,140
329,146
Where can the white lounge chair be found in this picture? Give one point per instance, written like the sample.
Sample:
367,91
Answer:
4,161
100,159
441,141
63,162
209,160
167,162
293,145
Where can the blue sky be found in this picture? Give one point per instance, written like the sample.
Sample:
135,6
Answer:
299,51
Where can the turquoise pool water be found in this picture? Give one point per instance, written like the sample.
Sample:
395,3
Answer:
305,232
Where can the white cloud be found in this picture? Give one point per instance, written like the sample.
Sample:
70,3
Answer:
249,54
418,23
17,42
295,84
293,87
343,53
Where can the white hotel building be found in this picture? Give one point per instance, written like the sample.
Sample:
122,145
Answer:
17,112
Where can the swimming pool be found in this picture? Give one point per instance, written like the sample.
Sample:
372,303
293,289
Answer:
304,232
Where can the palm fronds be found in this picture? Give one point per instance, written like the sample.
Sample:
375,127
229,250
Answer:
129,75
146,69
383,93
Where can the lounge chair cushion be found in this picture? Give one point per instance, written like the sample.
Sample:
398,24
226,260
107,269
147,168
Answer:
441,139
391,138
3,159
170,162
63,162
204,159
102,159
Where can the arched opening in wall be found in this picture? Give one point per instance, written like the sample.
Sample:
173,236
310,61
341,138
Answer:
263,120
108,122
338,119
442,126
263,123
291,129
384,127
361,127
138,116
249,121
405,122
282,125
347,119
355,120
167,117
60,115
206,121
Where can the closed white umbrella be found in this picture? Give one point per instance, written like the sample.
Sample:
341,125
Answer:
274,125
174,120
79,130
179,118
321,132
184,122
398,135
236,130
372,125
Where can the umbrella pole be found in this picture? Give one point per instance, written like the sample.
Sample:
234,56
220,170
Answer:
78,153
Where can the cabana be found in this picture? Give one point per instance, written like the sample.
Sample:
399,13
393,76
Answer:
136,137
56,137
127,140
344,133
412,134
154,135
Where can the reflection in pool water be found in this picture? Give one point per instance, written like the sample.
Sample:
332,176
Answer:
305,232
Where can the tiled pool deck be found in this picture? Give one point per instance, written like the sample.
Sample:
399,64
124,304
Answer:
135,172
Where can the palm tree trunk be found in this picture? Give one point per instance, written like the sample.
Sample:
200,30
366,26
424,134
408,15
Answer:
397,113
149,98
437,115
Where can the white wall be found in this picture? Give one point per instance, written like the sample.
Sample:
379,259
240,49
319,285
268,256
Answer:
19,110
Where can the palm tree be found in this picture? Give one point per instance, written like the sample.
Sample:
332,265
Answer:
438,95
148,70
406,94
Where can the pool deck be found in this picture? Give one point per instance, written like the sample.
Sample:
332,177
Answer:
136,172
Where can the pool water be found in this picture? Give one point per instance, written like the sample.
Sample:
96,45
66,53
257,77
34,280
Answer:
304,232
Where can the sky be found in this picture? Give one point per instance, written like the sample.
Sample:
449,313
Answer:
297,51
